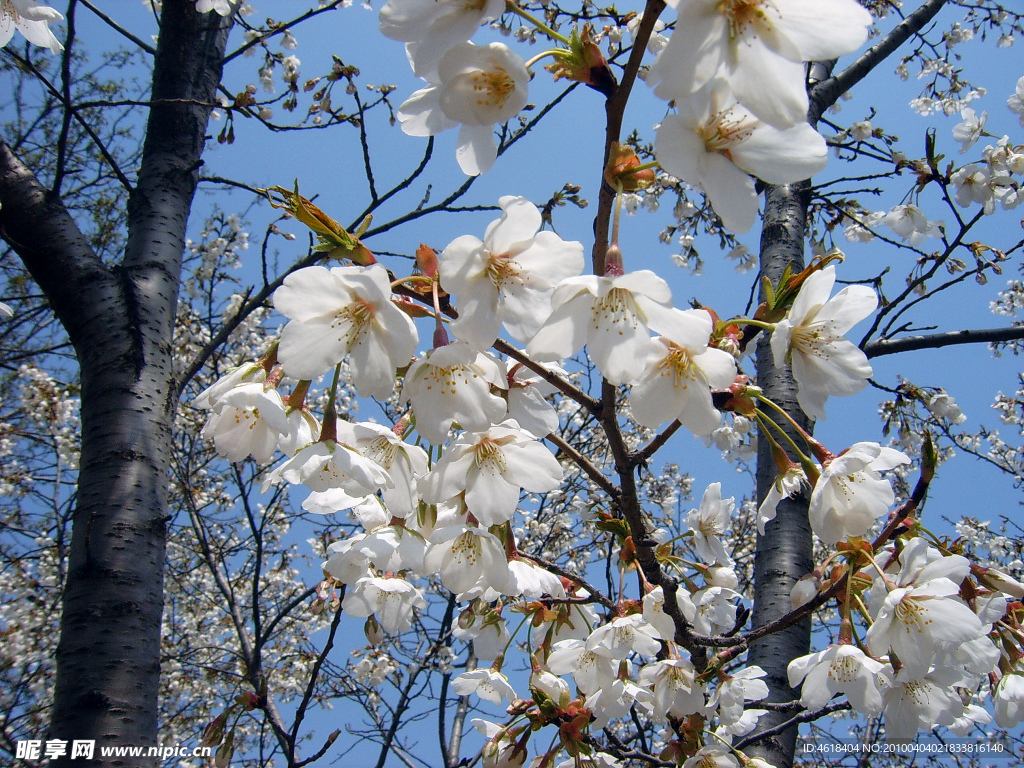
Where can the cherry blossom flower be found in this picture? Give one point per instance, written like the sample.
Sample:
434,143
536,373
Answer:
571,621
247,420
944,406
910,705
430,27
391,600
731,693
757,46
1009,698
489,634
344,312
453,384
527,402
972,717
787,484
970,130
860,231
530,580
715,610
248,373
842,669
486,683
303,429
678,380
590,670
1016,101
624,635
909,222
676,691
715,142
222,7
850,494
973,184
709,524
386,548
32,20
555,688
467,559
491,467
611,316
861,130
508,277
712,756
654,611
916,622
335,500
617,700
405,463
475,86
810,338
345,563
328,464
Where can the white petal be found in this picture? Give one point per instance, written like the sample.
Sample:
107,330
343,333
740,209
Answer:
731,192
477,149
421,115
782,156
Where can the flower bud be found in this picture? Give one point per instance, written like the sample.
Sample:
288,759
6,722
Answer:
619,172
213,734
372,630
805,590
720,576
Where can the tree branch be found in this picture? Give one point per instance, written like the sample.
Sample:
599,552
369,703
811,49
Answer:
937,340
824,94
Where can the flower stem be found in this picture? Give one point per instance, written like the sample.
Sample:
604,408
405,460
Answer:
765,421
539,56
513,8
329,429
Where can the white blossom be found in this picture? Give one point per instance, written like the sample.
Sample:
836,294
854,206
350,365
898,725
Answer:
391,600
680,376
486,683
612,317
810,338
709,523
508,277
474,86
431,28
32,20
757,46
491,467
839,669
453,384
850,494
714,141
344,313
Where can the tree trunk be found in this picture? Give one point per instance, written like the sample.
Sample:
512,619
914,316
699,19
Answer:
121,319
784,551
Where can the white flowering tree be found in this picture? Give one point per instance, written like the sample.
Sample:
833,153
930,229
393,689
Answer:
496,529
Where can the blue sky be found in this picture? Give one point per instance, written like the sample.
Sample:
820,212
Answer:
567,148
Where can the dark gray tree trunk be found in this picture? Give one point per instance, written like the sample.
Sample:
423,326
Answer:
784,552
120,319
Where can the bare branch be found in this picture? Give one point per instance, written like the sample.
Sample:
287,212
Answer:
824,94
937,340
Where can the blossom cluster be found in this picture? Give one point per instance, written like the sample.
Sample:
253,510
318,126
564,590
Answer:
448,512
438,493
734,71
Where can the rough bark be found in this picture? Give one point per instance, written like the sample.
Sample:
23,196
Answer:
120,319
784,551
